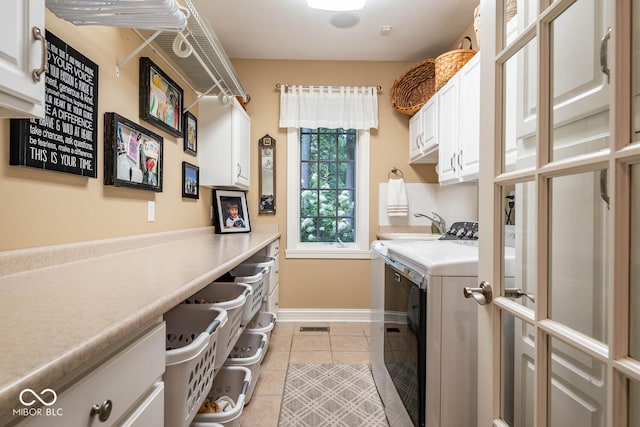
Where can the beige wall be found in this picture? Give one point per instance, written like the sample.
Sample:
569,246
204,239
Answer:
39,208
326,283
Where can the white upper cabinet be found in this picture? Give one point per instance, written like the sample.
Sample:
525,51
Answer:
224,144
459,125
23,53
423,133
581,59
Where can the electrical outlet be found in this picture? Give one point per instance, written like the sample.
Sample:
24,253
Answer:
211,212
151,211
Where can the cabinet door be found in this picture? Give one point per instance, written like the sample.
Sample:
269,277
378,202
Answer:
469,120
429,136
138,366
20,54
430,124
580,94
448,116
241,147
415,136
150,412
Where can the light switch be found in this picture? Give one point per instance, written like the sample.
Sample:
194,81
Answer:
151,211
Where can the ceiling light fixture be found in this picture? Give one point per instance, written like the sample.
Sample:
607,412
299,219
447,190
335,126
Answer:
336,5
344,20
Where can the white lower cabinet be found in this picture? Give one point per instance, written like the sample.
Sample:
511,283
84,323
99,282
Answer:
150,412
272,299
127,390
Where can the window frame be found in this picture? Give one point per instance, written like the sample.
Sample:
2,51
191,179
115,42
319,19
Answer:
356,250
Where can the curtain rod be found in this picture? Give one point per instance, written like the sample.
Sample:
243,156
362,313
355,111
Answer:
279,85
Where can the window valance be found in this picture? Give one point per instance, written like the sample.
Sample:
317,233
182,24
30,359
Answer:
330,107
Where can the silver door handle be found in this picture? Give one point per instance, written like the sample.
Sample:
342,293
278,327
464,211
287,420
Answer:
518,293
483,295
604,50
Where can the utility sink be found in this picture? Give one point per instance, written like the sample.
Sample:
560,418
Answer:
408,236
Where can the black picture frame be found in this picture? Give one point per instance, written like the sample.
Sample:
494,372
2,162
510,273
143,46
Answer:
190,134
190,180
133,155
223,201
161,99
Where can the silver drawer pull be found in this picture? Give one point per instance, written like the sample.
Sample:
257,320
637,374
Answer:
44,64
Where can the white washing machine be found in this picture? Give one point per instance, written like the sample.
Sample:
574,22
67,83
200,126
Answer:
424,336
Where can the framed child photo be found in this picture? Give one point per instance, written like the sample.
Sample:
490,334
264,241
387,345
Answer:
161,99
190,181
190,136
132,154
230,213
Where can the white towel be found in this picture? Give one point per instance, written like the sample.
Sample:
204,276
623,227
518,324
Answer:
397,202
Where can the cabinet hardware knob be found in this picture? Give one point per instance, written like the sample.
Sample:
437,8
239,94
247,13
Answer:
103,411
44,65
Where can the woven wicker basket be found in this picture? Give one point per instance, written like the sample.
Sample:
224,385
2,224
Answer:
511,9
450,62
414,88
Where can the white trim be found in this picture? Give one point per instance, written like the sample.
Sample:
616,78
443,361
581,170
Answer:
323,315
356,250
329,252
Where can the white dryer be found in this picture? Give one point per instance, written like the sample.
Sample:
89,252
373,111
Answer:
424,335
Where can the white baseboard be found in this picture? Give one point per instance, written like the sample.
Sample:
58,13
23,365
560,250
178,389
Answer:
323,315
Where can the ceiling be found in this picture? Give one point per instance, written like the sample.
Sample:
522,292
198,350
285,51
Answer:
289,29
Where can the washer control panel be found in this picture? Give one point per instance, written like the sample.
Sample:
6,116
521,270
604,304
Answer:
467,230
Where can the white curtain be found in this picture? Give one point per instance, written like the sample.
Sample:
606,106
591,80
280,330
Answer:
330,107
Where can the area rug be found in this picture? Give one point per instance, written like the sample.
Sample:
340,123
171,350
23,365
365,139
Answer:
322,395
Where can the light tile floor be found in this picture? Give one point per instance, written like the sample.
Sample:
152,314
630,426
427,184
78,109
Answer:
344,343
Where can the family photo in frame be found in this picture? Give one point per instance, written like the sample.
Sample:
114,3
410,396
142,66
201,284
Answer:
190,136
132,154
231,214
161,99
190,180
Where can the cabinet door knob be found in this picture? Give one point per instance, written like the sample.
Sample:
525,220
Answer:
103,411
239,170
460,160
44,65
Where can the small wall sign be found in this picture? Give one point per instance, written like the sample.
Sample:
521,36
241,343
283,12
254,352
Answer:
65,140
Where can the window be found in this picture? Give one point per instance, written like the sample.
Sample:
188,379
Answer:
328,193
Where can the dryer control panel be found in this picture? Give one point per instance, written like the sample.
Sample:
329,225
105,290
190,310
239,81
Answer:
467,230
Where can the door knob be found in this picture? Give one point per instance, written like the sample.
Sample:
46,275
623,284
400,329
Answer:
483,295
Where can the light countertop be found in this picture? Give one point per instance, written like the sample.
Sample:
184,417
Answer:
62,308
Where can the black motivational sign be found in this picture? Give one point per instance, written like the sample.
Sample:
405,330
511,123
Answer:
65,140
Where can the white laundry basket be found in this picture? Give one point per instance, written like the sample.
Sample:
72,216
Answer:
233,382
228,296
265,261
256,277
191,351
249,352
264,322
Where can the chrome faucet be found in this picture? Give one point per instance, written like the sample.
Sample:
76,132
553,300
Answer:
438,223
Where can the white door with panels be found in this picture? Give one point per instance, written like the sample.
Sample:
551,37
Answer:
559,333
